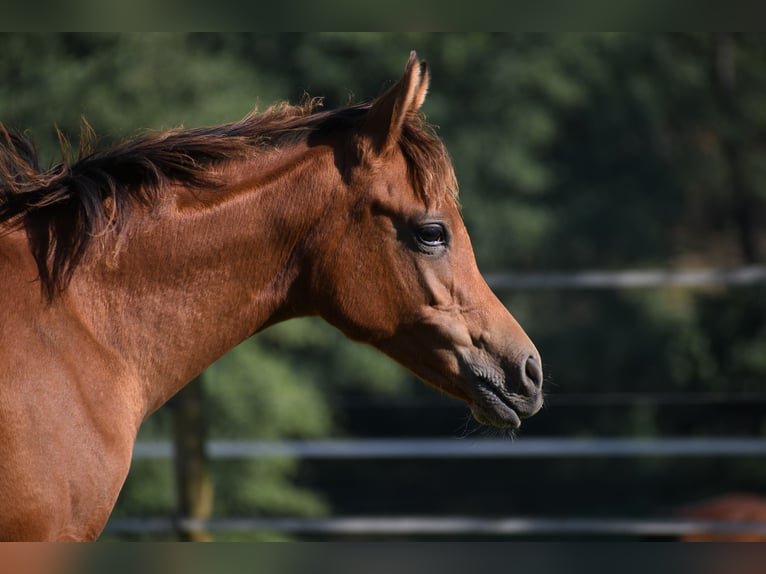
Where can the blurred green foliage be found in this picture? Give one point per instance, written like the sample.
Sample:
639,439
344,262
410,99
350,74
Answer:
573,151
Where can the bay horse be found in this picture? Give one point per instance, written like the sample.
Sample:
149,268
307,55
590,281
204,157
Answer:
127,270
739,508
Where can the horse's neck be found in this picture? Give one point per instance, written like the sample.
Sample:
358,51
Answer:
192,281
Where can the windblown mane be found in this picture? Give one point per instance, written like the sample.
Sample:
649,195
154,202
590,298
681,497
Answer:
63,208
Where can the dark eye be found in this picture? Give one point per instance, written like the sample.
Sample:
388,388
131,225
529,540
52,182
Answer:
431,235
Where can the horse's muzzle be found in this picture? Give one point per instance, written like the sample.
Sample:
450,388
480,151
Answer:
503,398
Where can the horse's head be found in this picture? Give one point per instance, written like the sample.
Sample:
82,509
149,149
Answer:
398,271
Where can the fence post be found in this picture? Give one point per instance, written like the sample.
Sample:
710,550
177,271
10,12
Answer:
194,486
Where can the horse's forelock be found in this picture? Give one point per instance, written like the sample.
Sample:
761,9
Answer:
429,163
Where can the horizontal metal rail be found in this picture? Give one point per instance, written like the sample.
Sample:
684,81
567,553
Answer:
625,398
466,448
630,279
445,525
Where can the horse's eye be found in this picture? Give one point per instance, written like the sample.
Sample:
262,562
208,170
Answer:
432,235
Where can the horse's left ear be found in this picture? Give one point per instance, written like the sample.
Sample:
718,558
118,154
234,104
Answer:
389,112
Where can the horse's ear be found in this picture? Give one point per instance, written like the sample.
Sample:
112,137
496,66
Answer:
389,112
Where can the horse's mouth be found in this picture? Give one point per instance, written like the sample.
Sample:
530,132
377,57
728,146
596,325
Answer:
492,405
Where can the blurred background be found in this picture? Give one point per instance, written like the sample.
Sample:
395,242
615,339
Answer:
577,152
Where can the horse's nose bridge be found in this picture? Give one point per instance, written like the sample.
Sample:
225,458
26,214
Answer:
498,334
507,332
515,352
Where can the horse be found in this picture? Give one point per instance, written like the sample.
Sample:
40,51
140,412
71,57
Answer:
128,269
738,508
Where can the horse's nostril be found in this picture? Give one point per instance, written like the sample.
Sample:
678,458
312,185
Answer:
534,372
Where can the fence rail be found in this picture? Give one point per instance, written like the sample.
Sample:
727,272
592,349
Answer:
464,448
630,279
445,526
570,399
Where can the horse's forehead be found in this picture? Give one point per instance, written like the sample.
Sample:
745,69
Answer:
422,179
392,165
392,178
378,173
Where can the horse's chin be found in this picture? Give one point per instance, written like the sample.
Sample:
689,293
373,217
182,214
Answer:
507,419
493,405
503,417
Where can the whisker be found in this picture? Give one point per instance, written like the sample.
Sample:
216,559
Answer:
469,427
